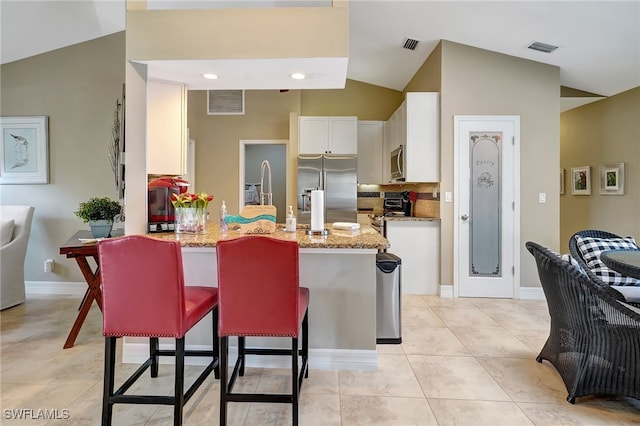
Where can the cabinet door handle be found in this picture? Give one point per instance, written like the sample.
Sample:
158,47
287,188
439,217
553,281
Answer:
464,217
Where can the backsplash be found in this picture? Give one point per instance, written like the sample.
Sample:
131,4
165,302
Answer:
368,203
426,208
370,198
374,194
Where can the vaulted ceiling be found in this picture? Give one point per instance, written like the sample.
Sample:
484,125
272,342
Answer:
598,41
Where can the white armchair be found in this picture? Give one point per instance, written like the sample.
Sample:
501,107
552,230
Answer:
12,253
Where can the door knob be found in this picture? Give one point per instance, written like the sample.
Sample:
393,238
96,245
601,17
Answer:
464,217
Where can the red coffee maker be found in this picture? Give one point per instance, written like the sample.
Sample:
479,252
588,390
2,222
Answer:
161,216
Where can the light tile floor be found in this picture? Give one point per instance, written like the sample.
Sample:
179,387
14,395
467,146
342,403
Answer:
462,362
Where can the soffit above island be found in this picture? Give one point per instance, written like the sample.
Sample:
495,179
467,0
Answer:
248,48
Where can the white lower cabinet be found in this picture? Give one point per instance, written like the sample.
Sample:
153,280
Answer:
417,243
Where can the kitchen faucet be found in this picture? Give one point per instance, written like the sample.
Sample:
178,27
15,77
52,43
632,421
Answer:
265,166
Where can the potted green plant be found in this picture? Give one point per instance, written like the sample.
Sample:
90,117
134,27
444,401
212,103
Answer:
100,213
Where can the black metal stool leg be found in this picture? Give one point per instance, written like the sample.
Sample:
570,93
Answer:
179,383
109,374
216,342
241,353
223,380
305,343
294,383
153,354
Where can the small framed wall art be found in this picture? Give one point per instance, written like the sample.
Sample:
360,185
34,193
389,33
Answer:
612,179
561,181
581,180
24,156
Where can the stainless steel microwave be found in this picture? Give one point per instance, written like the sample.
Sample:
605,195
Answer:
397,163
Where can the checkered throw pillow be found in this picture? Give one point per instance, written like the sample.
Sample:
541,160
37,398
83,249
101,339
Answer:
590,249
567,258
571,260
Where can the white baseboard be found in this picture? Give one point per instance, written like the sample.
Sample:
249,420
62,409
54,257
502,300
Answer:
64,288
79,288
532,293
446,291
319,359
527,293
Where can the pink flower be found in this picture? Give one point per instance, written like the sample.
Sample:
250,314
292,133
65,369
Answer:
188,199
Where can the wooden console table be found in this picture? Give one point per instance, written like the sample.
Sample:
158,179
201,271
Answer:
75,249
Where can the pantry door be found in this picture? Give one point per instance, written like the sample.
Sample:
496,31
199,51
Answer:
487,234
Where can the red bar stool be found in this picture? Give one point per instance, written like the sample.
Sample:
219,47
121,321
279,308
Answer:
259,295
143,294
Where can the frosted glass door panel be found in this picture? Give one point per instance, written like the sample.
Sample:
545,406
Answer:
485,213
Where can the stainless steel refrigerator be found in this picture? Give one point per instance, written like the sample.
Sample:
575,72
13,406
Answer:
336,175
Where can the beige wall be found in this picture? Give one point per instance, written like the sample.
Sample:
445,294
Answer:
479,82
428,78
217,138
77,88
600,133
364,100
473,81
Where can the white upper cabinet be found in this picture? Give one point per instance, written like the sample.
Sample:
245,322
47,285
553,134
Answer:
392,140
327,135
370,141
416,126
422,158
343,135
166,128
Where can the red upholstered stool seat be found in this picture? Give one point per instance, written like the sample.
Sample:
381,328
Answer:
259,295
197,302
143,294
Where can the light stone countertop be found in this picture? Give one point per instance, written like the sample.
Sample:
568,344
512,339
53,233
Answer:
411,219
365,238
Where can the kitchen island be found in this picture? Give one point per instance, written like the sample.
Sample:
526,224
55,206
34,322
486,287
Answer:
338,269
366,238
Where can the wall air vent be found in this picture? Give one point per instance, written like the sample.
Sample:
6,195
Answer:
542,47
410,43
225,102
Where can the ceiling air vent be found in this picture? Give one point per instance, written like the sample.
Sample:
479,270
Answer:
410,43
542,47
225,102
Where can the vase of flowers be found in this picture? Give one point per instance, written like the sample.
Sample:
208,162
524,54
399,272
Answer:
190,212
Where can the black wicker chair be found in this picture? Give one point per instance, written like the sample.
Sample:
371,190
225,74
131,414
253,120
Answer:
575,253
594,340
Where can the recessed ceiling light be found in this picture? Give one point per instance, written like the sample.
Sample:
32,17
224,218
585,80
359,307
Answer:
210,76
298,76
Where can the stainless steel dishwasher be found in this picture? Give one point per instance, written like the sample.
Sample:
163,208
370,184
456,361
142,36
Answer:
388,299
